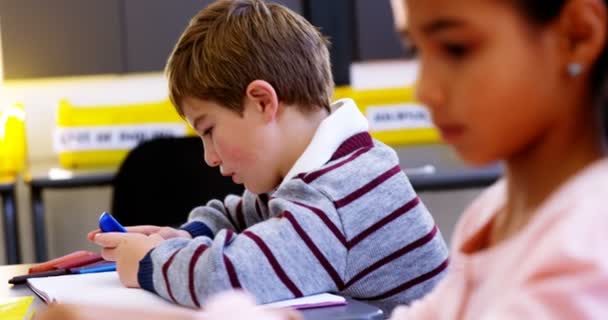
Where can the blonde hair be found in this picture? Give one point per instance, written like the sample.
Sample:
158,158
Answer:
231,43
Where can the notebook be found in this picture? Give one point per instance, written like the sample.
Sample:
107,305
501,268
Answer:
105,289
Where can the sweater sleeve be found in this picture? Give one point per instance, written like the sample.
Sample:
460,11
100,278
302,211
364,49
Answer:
577,293
560,274
291,254
235,213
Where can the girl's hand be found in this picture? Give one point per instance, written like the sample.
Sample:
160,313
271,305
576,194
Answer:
237,305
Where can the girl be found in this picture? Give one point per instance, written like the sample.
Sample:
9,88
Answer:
520,80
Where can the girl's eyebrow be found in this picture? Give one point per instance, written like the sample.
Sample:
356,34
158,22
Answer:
439,25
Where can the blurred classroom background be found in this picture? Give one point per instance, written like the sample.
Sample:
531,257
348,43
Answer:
61,57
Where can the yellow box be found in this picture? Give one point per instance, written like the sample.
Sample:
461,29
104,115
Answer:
13,148
394,115
79,128
100,136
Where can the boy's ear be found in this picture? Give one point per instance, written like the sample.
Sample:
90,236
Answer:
583,29
264,98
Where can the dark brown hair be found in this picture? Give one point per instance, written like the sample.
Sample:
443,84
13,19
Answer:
541,12
231,43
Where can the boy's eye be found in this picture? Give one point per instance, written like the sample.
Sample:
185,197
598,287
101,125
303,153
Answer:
208,131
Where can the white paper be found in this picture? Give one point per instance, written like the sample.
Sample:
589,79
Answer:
105,288
317,300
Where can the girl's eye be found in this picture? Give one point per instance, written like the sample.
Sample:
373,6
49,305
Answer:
411,50
456,51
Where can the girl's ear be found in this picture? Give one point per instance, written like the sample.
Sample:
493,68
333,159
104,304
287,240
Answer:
583,29
264,99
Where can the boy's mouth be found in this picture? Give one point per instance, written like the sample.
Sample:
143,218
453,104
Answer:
232,175
235,179
226,173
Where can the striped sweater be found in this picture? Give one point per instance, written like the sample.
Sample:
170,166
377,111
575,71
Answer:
352,225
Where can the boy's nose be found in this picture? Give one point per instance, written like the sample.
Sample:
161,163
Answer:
211,157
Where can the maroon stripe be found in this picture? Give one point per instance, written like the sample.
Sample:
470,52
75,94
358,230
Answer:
234,280
195,256
166,278
316,174
386,220
411,283
359,140
240,216
393,256
229,234
258,210
315,251
367,187
264,198
332,227
230,219
274,264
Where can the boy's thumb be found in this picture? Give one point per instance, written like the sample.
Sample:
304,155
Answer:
107,240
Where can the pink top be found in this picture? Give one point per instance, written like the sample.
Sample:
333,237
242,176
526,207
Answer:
555,268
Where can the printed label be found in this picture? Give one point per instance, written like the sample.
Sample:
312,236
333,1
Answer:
112,137
396,117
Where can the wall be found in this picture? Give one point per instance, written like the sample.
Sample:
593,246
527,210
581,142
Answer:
40,98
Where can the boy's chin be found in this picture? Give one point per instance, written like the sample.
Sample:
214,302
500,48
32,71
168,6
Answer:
258,188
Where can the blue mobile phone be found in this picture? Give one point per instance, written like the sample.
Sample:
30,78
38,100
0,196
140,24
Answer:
107,223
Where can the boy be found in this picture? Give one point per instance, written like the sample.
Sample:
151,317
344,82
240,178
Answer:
326,208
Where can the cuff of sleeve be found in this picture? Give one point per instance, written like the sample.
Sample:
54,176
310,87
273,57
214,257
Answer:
146,272
197,229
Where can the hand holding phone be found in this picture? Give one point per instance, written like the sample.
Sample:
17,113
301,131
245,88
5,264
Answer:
107,223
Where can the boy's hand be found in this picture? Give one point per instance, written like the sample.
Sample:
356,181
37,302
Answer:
164,232
127,249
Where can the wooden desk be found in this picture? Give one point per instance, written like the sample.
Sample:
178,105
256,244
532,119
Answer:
354,310
10,219
436,167
10,291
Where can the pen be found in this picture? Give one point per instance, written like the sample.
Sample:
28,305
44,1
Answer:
23,278
110,266
53,264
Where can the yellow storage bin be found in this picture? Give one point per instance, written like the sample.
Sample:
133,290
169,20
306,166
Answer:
101,136
13,148
394,115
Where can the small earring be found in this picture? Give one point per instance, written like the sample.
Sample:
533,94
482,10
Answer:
575,69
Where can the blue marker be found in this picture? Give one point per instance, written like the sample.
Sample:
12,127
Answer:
107,223
99,268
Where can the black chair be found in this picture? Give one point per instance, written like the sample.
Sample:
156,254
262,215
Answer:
162,180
